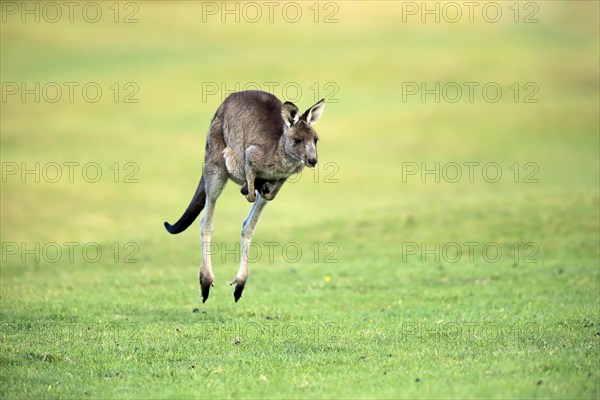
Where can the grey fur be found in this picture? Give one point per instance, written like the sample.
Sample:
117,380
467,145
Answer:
257,142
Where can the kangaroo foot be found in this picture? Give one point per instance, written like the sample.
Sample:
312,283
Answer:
239,288
206,282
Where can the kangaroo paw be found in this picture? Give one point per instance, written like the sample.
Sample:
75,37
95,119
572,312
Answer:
266,192
267,196
261,184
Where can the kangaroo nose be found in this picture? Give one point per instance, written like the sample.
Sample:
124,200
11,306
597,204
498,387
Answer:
312,162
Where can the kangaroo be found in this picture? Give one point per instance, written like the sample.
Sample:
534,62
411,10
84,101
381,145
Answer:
257,142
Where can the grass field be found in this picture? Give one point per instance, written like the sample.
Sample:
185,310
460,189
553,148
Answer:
447,245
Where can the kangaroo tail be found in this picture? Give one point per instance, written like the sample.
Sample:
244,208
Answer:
192,211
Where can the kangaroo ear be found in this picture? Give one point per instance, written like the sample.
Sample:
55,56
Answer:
313,114
289,113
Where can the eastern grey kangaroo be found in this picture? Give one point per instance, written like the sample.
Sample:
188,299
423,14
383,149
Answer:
258,142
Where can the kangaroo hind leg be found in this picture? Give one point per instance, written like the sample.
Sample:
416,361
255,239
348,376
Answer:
248,229
216,178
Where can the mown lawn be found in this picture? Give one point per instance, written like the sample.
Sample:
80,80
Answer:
447,245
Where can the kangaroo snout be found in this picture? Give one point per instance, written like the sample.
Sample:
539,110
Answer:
311,162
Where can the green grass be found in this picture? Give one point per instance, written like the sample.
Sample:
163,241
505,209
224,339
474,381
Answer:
370,308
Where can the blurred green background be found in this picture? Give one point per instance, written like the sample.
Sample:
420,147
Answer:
170,54
163,69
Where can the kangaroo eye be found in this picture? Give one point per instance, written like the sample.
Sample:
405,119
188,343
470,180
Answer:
316,140
297,141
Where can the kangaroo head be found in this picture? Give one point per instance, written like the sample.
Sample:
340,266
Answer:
300,139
